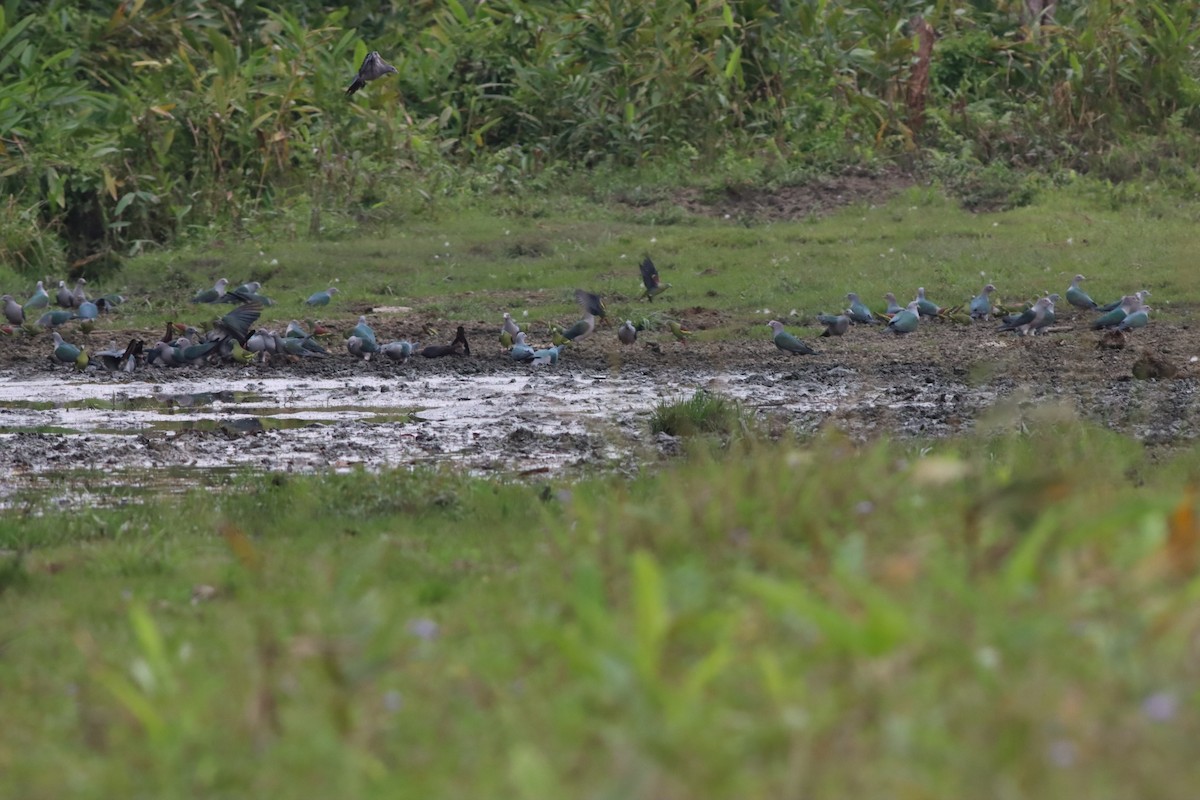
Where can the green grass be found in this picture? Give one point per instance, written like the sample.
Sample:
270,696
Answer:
704,413
984,619
470,262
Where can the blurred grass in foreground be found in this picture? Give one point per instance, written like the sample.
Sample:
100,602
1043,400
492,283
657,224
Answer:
986,617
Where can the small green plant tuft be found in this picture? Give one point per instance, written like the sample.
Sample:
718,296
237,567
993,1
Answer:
704,413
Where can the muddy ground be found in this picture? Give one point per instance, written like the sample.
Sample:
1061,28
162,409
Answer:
591,411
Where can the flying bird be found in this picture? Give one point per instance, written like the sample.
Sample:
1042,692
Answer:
651,280
373,67
787,342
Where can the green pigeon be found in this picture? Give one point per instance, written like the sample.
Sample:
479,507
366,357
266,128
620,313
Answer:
212,295
1078,297
981,304
926,308
654,287
858,311
321,298
65,352
787,342
1136,319
892,306
1111,319
38,300
905,320
580,330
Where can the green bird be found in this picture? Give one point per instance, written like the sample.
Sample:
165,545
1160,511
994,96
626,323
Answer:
38,300
321,298
654,286
212,295
1111,319
905,320
240,354
1136,319
1078,297
52,319
926,308
893,307
580,330
680,333
65,352
787,342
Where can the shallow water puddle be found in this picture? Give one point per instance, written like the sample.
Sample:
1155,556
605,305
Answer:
115,431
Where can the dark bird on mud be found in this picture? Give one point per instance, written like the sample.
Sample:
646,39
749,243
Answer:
125,360
1078,297
212,295
650,279
835,324
397,351
458,347
373,67
787,342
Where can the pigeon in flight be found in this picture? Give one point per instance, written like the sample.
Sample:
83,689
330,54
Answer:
373,67
651,280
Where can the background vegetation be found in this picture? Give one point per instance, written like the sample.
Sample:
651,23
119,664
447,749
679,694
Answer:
126,125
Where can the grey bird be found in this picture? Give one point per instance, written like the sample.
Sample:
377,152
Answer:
321,298
212,295
79,296
787,342
1043,316
114,360
835,324
63,296
38,300
858,311
981,304
906,320
13,311
926,308
1111,319
397,351
373,67
892,306
521,351
52,319
361,348
508,331
627,334
1078,297
581,330
1136,319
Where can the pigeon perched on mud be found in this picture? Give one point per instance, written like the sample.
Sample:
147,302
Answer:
521,351
397,351
1113,306
212,295
52,319
893,307
1136,319
835,324
508,331
321,298
12,310
547,357
858,311
79,296
906,319
38,300
627,334
1033,319
650,279
1114,317
65,352
63,296
787,342
373,67
981,304
926,307
1078,297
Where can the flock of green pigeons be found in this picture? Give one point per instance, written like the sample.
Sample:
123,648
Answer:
233,337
